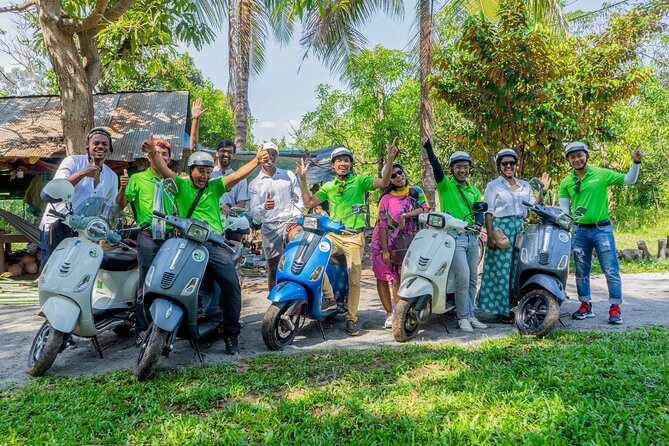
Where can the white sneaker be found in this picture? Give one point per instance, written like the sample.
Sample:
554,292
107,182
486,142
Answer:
465,325
389,321
477,323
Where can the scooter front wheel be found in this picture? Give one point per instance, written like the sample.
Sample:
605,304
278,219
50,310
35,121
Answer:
278,327
405,320
149,352
44,349
538,312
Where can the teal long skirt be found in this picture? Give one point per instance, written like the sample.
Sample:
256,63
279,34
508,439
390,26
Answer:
494,293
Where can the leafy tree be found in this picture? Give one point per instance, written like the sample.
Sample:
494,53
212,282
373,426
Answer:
522,87
81,36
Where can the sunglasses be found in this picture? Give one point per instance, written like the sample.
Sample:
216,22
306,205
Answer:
396,174
508,163
577,187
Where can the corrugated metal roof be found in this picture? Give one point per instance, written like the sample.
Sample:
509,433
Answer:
30,126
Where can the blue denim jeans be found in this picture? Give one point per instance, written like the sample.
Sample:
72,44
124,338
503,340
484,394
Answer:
463,273
600,239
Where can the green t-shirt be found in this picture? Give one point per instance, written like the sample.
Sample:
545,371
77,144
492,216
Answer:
593,193
450,199
140,193
342,195
207,208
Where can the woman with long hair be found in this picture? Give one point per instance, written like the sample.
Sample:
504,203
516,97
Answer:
399,206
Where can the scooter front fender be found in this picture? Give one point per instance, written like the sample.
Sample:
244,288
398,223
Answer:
414,287
166,314
547,282
61,312
287,291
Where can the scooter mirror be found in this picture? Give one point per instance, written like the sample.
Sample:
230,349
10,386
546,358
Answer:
480,206
536,184
170,187
580,211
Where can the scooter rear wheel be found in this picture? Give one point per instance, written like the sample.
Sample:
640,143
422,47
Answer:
149,352
278,328
538,312
44,349
405,321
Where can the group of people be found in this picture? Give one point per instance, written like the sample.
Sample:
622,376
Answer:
277,198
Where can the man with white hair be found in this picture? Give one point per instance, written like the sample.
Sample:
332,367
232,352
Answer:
275,200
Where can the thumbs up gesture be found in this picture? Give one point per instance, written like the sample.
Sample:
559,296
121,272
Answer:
124,178
149,146
269,202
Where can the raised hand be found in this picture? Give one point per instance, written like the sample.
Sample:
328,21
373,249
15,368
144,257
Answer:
425,142
262,155
546,180
149,146
302,169
636,154
391,148
269,202
196,110
124,178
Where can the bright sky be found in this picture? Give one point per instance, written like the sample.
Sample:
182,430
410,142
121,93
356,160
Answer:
281,95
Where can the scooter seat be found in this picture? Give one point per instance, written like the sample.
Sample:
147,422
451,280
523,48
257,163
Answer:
119,259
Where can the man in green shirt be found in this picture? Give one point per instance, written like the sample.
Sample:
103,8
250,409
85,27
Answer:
457,197
341,194
587,187
198,198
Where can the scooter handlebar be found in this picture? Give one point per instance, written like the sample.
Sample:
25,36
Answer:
55,213
159,214
529,205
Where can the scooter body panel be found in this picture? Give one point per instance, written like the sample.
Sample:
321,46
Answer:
115,289
176,274
541,249
61,312
166,314
429,259
306,258
74,264
548,282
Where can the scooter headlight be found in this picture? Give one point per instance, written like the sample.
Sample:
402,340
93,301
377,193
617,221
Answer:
565,221
310,223
97,229
197,233
436,221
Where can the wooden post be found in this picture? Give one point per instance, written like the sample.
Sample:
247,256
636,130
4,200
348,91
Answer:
662,249
645,253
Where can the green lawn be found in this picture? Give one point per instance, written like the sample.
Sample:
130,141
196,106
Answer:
571,388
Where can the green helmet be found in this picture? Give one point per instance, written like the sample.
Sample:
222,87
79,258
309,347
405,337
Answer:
200,159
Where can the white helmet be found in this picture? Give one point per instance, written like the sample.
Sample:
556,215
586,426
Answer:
575,147
505,152
339,151
59,190
200,159
237,223
459,156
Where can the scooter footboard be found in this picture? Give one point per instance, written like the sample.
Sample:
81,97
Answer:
61,312
166,314
287,291
547,282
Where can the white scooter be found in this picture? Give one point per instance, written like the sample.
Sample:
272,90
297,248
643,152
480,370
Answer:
84,289
425,269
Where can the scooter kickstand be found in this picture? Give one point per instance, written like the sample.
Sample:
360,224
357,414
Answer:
97,346
443,322
320,328
193,344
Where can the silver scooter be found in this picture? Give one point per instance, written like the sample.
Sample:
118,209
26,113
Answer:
84,289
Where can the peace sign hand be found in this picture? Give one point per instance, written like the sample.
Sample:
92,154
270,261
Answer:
302,169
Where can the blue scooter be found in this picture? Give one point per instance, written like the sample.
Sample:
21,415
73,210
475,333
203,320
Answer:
298,291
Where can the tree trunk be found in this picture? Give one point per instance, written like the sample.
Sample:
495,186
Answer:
76,96
380,93
662,249
240,102
426,128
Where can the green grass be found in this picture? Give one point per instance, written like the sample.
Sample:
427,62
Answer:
570,388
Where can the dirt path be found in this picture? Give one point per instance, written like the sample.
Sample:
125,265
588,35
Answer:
645,303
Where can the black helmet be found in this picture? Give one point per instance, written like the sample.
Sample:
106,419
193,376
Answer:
99,131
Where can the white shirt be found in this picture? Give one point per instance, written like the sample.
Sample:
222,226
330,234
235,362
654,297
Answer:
284,189
85,188
239,192
503,201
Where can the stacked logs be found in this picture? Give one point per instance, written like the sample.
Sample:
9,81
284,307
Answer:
643,253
